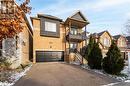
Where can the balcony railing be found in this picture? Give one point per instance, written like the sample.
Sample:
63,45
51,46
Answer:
76,37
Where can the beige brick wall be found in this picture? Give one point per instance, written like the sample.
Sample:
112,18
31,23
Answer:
105,35
102,46
41,43
124,42
26,45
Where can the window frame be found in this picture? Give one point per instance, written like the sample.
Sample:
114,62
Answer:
106,41
50,26
43,32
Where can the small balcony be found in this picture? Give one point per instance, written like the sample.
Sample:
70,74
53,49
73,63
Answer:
79,37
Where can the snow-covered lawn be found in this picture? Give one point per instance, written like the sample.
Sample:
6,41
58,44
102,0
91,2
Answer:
15,76
125,74
123,78
118,83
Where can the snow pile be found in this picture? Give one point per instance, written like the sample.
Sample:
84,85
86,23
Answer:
128,81
6,84
111,84
126,72
15,77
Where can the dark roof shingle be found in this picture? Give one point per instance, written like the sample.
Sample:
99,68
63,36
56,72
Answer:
116,37
49,16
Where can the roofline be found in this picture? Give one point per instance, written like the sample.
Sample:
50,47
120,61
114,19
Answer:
76,13
81,15
50,17
108,34
39,19
121,36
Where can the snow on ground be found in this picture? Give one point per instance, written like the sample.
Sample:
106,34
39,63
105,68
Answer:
111,84
126,83
124,79
15,77
125,72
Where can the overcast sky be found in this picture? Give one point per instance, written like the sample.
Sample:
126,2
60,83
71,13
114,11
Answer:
108,15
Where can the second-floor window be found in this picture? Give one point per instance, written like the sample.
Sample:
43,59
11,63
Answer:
106,42
74,31
49,26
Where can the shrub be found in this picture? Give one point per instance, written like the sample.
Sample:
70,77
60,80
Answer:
89,47
4,64
113,63
95,57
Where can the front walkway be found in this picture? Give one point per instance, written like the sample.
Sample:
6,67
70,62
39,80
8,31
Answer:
61,74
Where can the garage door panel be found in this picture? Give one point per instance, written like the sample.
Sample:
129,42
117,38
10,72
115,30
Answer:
49,56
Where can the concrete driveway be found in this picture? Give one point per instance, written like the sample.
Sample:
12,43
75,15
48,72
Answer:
62,74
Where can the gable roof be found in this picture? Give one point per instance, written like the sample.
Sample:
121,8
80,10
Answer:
78,16
116,37
101,33
49,16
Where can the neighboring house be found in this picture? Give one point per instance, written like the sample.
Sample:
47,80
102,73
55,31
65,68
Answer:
54,39
21,45
104,38
122,45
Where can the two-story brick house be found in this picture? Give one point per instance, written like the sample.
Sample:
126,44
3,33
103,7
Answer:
122,45
104,38
55,39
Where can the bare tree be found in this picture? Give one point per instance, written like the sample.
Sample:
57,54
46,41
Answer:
127,28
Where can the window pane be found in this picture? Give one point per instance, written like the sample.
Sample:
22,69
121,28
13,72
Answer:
49,26
106,41
73,31
71,45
